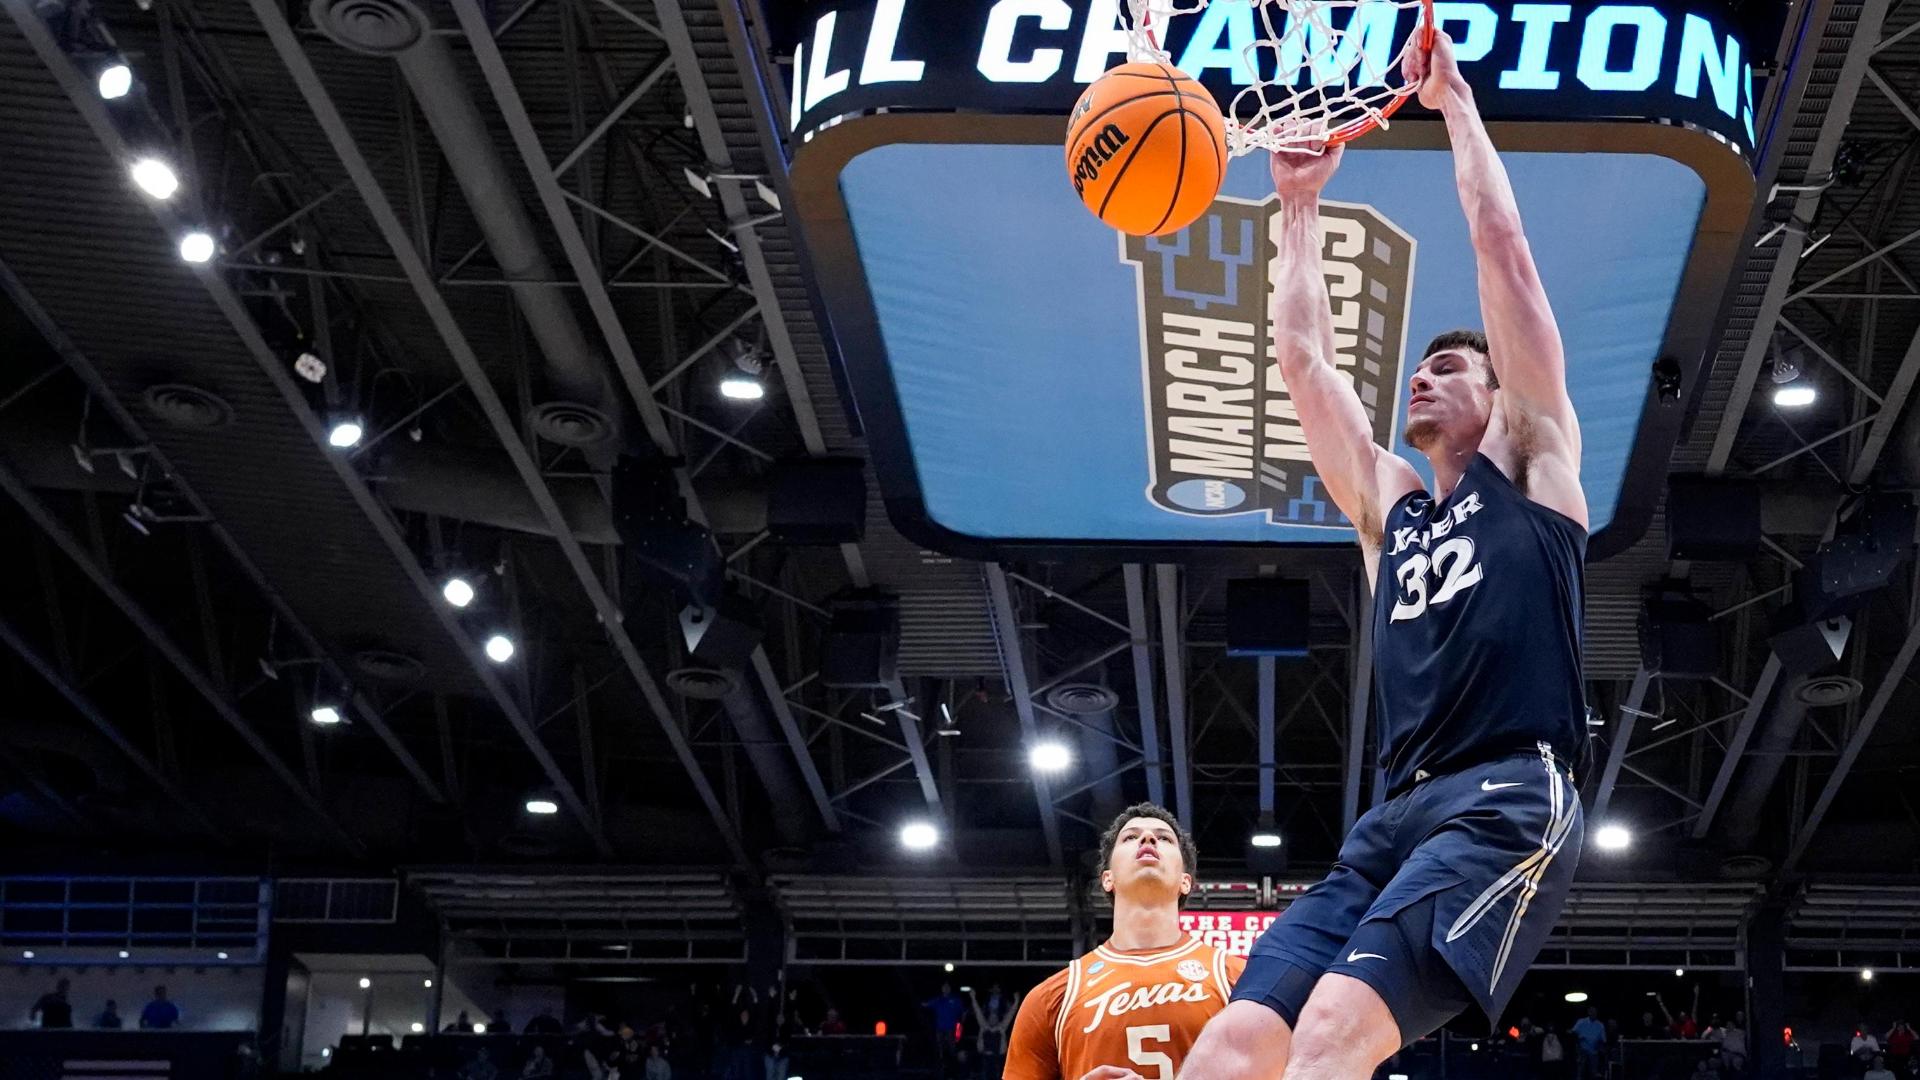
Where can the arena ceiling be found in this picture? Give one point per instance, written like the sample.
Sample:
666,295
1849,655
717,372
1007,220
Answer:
560,218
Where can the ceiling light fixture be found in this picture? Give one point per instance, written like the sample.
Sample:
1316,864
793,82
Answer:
1612,838
366,983
542,807
499,648
1577,997
1050,756
1795,396
919,836
1266,839
345,432
155,177
458,591
115,80
196,247
325,715
739,386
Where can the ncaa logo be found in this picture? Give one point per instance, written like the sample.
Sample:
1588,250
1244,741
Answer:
1223,434
1192,970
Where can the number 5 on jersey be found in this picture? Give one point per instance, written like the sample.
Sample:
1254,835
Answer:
1452,563
1137,1052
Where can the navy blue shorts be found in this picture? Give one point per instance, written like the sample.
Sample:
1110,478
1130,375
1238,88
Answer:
1441,899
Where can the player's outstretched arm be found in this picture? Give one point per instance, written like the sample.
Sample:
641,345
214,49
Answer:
1356,471
1527,353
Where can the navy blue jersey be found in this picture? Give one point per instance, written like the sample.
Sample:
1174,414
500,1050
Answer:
1476,628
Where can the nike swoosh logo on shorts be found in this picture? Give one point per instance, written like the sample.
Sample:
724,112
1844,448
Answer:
1488,785
1353,956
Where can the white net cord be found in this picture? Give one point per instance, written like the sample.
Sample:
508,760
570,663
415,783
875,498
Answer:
1322,70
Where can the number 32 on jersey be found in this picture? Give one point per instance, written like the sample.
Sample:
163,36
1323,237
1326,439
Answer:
1449,570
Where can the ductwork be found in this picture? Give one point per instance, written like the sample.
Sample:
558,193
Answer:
588,414
1103,759
1785,714
767,753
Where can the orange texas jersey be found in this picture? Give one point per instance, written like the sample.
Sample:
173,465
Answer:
1142,1010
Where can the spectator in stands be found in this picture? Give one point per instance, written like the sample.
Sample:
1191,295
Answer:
628,1055
775,1061
832,1025
160,1013
538,1066
1648,1027
461,1025
480,1068
1899,1047
948,1008
1591,1035
1879,1071
995,1020
53,1010
499,1024
544,1024
658,1067
1864,1045
1682,1026
109,1017
1733,1046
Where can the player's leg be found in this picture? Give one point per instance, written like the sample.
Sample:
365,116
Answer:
1345,1032
1251,1038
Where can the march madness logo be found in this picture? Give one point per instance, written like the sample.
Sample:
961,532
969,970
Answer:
1224,435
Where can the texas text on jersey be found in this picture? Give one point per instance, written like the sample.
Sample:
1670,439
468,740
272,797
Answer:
1141,1010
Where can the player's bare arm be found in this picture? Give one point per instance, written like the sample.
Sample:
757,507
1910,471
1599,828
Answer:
1363,478
1535,435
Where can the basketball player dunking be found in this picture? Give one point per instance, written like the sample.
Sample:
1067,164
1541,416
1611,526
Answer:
1134,1005
1442,895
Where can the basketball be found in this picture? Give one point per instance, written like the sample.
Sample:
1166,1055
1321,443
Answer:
1146,149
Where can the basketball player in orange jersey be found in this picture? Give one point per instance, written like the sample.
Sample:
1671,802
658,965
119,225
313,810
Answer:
1130,1009
1443,894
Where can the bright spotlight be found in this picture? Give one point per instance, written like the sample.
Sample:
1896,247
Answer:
1050,756
115,80
428,984
542,806
479,1029
220,955
1613,838
196,247
1794,396
124,954
366,983
325,715
1679,973
499,648
919,836
1266,839
457,591
740,387
326,1051
344,433
26,954
1576,997
1866,974
416,1027
155,177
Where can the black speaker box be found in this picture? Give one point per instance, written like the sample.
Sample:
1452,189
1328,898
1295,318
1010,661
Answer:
723,635
863,642
817,501
1678,638
662,545
1806,648
1712,519
1267,617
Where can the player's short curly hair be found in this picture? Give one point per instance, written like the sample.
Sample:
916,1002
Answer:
1466,339
1189,854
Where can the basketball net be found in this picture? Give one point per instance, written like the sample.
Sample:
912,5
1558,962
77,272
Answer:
1334,66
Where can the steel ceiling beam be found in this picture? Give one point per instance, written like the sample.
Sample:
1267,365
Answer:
1013,658
555,199
1846,89
731,191
1757,701
84,705
57,339
1629,714
1856,743
320,102
1146,696
1173,655
796,742
163,643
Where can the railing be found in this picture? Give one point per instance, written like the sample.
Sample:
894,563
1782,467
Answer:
65,920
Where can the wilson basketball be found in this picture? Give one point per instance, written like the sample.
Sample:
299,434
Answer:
1146,149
